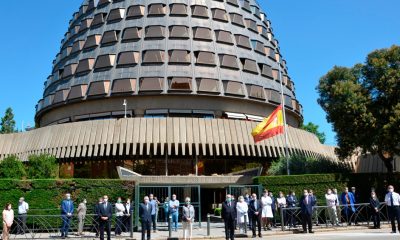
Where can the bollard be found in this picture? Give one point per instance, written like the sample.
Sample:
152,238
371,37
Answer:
170,226
208,225
245,224
131,224
282,220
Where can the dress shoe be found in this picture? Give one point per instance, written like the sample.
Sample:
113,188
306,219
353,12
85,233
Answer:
259,235
311,232
254,236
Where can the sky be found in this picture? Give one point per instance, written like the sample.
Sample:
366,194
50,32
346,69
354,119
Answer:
314,36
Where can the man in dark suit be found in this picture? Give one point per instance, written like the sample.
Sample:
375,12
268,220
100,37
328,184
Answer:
307,203
145,210
105,215
67,209
229,215
255,208
96,219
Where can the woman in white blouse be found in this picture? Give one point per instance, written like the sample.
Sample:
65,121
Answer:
266,202
8,219
281,204
242,218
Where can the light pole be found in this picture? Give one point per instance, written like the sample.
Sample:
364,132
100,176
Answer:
125,105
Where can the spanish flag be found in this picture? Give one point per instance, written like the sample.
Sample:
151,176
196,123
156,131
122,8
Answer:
271,126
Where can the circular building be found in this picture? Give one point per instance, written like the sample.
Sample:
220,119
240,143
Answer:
165,87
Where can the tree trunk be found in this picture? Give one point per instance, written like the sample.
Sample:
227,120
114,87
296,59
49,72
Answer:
388,161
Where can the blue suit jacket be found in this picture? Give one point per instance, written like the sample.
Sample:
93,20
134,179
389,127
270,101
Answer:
344,201
144,214
307,208
67,206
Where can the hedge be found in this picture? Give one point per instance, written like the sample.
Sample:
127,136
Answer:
46,195
321,182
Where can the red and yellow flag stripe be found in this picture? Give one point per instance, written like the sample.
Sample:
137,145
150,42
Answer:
270,126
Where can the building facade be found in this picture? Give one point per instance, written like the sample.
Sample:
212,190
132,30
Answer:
164,87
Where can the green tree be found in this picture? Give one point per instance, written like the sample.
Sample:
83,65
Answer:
7,124
313,128
42,166
363,105
12,167
300,164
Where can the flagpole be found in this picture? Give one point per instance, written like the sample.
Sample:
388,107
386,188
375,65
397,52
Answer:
284,118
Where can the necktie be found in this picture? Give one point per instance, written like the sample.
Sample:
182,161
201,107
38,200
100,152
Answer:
391,199
229,204
306,200
255,204
105,206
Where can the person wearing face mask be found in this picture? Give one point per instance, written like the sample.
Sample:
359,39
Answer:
255,208
375,205
331,200
307,203
242,209
23,208
96,218
8,219
188,215
281,204
228,214
347,199
273,206
266,214
392,200
105,215
291,201
127,215
174,210
67,209
81,216
119,213
154,203
145,210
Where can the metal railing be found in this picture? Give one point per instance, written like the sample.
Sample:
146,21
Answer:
336,216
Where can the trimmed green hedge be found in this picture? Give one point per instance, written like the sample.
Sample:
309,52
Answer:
47,194
321,182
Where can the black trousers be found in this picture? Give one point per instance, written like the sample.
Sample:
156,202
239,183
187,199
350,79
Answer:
394,214
306,220
291,217
107,226
153,220
146,227
230,229
376,218
256,221
127,223
21,227
119,225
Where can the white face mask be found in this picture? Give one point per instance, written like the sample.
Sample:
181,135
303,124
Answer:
105,200
68,197
391,190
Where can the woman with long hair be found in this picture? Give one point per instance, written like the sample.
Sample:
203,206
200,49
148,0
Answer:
8,219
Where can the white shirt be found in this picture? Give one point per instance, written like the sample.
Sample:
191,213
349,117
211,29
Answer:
281,201
331,200
23,208
119,209
396,199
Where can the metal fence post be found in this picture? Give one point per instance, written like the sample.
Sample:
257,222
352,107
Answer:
169,226
245,223
131,225
208,224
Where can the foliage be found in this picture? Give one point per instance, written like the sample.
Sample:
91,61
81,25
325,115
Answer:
7,124
299,164
321,182
12,167
313,128
217,211
362,103
42,166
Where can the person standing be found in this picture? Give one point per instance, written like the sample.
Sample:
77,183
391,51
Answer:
242,209
174,210
119,214
23,208
105,216
145,210
96,218
8,219
127,215
307,203
291,201
188,215
315,209
331,200
347,199
356,201
266,214
392,200
81,216
281,204
256,210
338,211
67,209
274,208
154,205
228,214
375,205
166,210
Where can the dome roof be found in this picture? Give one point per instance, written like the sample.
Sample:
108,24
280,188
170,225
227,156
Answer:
209,55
